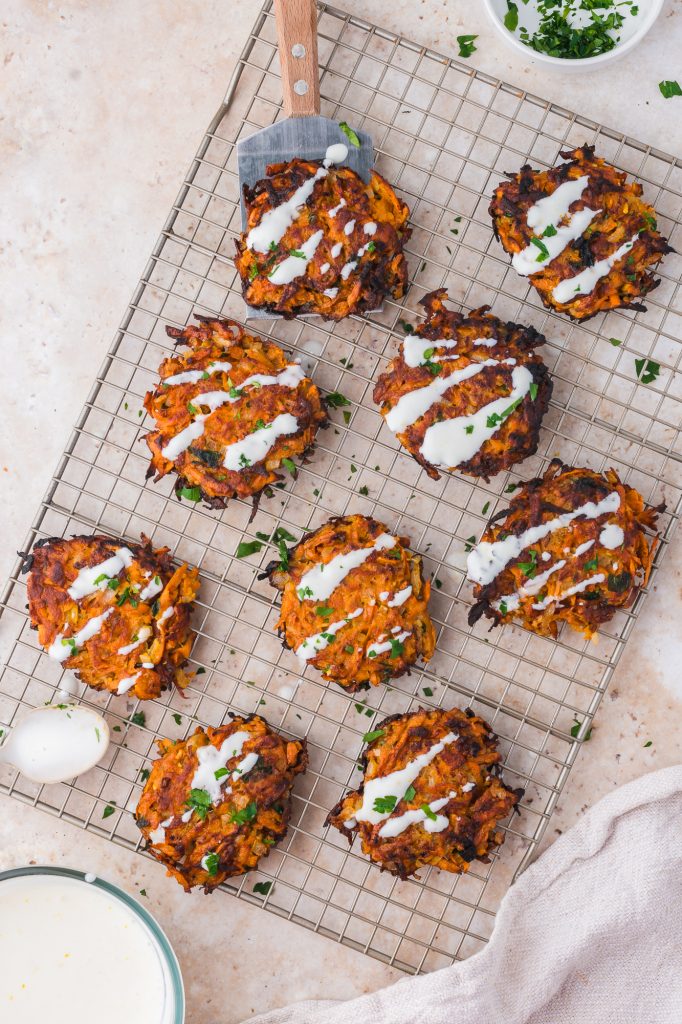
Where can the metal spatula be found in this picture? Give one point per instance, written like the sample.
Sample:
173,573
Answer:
303,133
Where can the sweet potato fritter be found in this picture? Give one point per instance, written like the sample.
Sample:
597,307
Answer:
483,421
341,251
571,547
115,613
229,410
601,218
216,803
430,793
354,603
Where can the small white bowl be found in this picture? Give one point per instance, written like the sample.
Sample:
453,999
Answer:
639,25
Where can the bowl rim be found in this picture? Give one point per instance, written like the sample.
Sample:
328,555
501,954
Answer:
157,934
619,50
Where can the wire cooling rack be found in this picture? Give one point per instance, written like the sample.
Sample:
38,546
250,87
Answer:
443,135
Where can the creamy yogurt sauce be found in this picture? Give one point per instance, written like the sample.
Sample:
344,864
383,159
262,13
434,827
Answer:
322,580
534,586
211,759
396,826
96,577
296,266
397,783
320,641
489,558
274,223
193,376
143,634
255,446
398,599
413,405
546,214
55,743
62,647
611,536
381,646
577,589
72,953
585,282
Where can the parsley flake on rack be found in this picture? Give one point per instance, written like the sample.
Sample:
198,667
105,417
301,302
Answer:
466,45
647,370
262,888
352,136
670,88
248,547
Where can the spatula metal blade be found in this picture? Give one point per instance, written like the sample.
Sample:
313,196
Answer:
304,138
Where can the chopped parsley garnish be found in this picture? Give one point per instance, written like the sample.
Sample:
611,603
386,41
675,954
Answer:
647,370
190,493
304,592
431,815
670,88
376,734
410,794
407,328
144,773
559,35
192,409
469,543
200,801
503,608
466,45
544,251
297,252
397,647
469,429
290,465
650,222
349,133
177,718
247,813
220,773
336,399
385,804
138,718
549,231
592,564
260,425
235,392
248,547
575,729
364,490
529,569
495,418
324,611
433,368
108,811
648,743
349,649
243,461
485,508
253,272
615,342
282,534
101,578
511,18
211,863
533,391
263,888
371,246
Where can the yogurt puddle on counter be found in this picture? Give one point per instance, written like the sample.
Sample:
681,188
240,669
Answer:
72,952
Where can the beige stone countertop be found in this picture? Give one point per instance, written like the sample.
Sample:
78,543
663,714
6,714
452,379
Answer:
104,104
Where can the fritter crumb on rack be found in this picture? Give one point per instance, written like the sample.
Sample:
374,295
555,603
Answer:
216,803
571,547
115,613
581,232
320,240
466,393
431,793
354,603
230,410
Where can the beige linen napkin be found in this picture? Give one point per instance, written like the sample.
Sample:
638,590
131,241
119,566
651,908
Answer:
591,933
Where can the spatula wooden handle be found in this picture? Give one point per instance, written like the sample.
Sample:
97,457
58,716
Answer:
297,41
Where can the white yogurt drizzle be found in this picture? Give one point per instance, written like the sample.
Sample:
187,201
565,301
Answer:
296,266
154,587
275,222
586,281
369,228
348,268
331,293
143,634
397,783
322,580
547,212
611,536
336,249
396,826
211,759
412,406
60,650
453,441
255,446
325,267
84,583
414,347
381,647
349,227
333,212
312,645
577,589
127,683
399,598
166,614
289,377
193,376
489,558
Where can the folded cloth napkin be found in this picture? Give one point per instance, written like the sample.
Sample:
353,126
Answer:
591,933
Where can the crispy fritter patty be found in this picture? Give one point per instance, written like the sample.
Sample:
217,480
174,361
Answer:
622,232
354,603
481,423
571,547
216,803
229,410
344,244
115,613
430,793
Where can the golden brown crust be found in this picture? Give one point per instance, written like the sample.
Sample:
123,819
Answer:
623,214
623,567
384,577
175,407
466,768
251,815
166,637
381,269
516,436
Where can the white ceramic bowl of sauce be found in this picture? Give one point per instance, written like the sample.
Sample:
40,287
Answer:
633,30
75,949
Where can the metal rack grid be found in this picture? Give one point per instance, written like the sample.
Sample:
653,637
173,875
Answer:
443,136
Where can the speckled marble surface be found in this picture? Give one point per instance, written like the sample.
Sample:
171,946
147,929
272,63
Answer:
105,103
